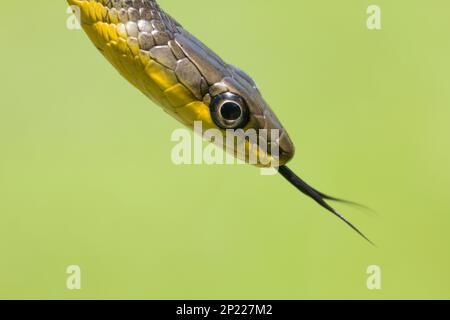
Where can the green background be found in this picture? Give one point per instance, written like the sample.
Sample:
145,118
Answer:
86,176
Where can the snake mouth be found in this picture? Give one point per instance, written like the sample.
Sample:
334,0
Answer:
286,148
281,147
279,151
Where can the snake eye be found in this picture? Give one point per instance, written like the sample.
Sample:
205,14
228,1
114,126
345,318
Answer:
229,111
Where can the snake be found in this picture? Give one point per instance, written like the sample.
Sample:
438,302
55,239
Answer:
190,82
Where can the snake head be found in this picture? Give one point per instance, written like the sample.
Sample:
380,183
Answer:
235,102
181,74
260,114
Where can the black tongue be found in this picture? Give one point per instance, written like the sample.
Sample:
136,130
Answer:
317,196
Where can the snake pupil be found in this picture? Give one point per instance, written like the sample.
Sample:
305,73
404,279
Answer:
230,111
